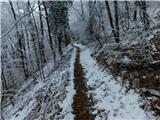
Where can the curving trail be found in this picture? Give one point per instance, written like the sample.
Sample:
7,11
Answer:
81,102
111,100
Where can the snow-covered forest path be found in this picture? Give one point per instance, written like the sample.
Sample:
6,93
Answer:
81,102
111,100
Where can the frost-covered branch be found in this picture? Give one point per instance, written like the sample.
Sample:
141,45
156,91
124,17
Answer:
18,21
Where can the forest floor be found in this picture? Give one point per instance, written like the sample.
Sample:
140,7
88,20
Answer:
81,102
111,99
140,67
79,88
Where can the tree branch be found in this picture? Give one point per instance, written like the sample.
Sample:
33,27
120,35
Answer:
18,21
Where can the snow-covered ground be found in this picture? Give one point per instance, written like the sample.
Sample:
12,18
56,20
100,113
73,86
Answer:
67,103
111,101
50,98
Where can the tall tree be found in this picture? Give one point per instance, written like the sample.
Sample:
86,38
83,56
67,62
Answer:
111,20
58,17
91,19
37,44
142,6
49,31
102,19
42,49
135,11
32,38
21,43
127,16
116,21
82,8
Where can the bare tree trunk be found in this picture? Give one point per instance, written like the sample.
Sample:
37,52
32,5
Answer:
66,30
42,35
29,51
37,48
116,21
97,35
33,38
135,15
135,11
102,20
91,31
145,15
59,43
22,32
4,82
49,32
82,7
127,17
110,20
38,51
24,52
58,16
20,45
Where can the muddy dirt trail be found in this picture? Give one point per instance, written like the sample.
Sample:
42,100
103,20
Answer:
81,102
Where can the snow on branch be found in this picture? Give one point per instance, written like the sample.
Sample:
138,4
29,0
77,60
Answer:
18,21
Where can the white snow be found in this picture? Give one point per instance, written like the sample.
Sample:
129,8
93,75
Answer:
22,114
56,90
27,101
109,94
111,101
67,103
126,60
